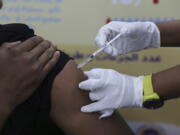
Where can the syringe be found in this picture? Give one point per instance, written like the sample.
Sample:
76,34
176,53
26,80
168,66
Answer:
90,58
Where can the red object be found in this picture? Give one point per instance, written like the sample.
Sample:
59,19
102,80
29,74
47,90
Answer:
108,20
155,1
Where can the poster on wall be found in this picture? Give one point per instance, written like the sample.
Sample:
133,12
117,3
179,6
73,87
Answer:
73,25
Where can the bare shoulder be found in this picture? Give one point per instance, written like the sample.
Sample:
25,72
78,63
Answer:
66,96
67,100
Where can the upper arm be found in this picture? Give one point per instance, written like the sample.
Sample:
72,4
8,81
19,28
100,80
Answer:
67,99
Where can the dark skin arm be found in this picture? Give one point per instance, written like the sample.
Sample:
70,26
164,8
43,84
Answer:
23,67
167,83
170,33
67,99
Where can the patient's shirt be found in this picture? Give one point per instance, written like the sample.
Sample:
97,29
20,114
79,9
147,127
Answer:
32,117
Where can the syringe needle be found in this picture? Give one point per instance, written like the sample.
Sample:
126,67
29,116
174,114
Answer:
89,58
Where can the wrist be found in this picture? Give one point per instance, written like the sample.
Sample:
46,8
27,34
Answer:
138,91
149,33
151,99
155,32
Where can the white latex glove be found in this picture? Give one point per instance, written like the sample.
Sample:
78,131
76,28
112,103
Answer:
134,36
110,90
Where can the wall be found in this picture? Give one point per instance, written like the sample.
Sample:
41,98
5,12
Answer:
73,24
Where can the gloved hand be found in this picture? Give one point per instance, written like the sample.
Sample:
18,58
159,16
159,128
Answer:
111,90
134,36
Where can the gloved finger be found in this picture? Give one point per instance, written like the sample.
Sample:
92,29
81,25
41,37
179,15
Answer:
97,94
94,96
94,107
92,74
102,37
109,50
91,84
115,52
113,26
106,113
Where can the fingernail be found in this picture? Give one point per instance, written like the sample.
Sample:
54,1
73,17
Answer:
57,53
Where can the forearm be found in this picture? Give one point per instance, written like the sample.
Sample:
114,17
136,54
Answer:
167,83
170,33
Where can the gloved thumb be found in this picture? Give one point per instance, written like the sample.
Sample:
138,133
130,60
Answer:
106,113
112,51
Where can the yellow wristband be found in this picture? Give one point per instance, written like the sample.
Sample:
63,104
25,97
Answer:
148,89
